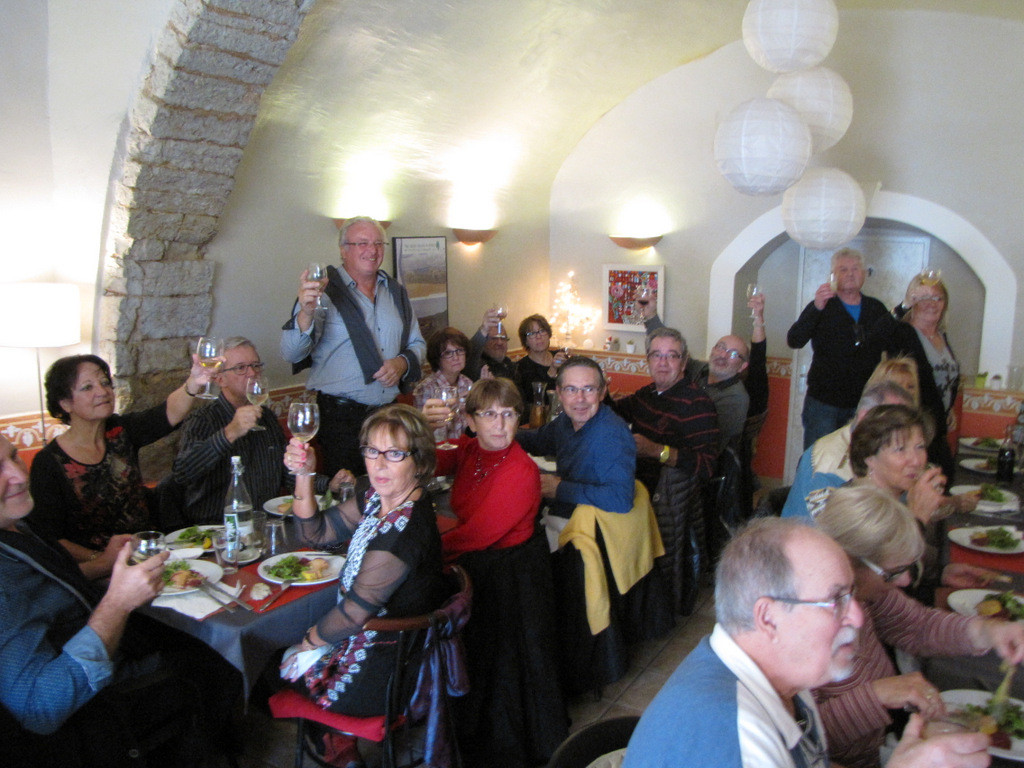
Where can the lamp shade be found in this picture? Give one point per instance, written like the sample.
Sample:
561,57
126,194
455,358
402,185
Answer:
43,315
762,147
786,35
824,210
823,100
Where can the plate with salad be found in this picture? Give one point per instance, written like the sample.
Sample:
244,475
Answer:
985,444
193,536
984,466
971,709
988,603
995,539
302,568
183,576
282,505
992,498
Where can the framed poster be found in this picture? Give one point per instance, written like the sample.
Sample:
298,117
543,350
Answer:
623,284
421,265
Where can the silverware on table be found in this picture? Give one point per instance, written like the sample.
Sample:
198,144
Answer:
217,598
228,595
271,600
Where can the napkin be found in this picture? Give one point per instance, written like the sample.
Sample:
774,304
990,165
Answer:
197,605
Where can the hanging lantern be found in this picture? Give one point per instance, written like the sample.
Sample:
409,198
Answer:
823,100
786,35
762,147
824,210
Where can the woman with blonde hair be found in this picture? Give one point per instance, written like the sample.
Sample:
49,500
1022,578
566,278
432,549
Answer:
899,369
884,542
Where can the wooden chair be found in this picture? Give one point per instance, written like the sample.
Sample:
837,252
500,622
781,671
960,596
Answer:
442,625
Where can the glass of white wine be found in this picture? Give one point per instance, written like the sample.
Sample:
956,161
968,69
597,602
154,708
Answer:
209,349
317,271
753,289
450,397
501,310
257,392
303,423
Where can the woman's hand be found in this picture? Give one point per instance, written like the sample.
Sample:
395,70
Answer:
341,478
926,495
910,690
964,576
950,750
436,412
1006,637
299,456
966,502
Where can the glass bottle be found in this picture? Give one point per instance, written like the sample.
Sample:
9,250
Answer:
238,527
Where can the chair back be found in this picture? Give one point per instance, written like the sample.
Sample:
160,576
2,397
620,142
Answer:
596,740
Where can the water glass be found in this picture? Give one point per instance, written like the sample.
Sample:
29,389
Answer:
345,492
227,557
145,544
275,542
259,526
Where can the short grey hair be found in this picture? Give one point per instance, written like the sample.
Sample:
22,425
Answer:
754,565
847,253
667,333
349,223
231,342
876,395
579,361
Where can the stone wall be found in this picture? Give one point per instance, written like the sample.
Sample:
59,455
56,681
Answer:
173,171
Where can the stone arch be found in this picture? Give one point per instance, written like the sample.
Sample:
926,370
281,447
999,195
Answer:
172,172
988,263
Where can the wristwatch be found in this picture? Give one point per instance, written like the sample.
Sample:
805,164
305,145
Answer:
666,452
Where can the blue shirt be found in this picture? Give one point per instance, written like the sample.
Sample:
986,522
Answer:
805,481
596,463
336,369
51,662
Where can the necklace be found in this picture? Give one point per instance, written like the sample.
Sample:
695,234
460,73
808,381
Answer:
480,471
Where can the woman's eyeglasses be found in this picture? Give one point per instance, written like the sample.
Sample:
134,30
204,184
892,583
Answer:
492,416
891,574
452,353
393,455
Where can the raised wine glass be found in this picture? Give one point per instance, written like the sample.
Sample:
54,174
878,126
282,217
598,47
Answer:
303,423
317,271
931,277
257,392
644,296
450,397
501,310
209,349
753,289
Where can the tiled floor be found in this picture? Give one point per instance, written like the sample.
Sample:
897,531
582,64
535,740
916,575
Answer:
270,743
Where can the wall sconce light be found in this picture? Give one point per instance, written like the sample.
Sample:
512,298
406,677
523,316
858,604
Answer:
339,223
473,236
636,243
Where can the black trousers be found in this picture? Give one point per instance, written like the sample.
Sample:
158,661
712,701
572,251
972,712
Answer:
338,438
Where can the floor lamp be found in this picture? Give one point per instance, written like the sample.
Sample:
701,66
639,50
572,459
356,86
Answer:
40,315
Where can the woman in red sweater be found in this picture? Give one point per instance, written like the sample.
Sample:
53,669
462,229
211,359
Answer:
496,493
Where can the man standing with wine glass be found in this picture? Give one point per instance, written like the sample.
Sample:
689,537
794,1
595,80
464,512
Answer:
230,426
364,345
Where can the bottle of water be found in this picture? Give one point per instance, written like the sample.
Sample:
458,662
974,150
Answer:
237,512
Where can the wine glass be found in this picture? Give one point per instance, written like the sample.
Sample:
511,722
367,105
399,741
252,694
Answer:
450,397
501,310
146,544
931,277
303,422
209,349
317,271
833,282
753,289
257,392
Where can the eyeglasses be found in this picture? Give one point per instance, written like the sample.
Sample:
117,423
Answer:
242,367
732,354
365,244
450,353
890,575
588,390
673,356
838,605
497,338
493,416
541,332
391,454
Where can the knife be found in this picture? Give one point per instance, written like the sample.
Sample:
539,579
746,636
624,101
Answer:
227,594
272,600
219,600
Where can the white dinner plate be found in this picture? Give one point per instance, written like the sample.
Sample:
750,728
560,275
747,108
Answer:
973,443
211,571
336,563
977,465
965,601
962,536
271,505
172,538
186,553
1010,503
957,699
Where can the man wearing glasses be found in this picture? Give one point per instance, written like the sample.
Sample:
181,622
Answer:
230,426
361,347
488,350
787,622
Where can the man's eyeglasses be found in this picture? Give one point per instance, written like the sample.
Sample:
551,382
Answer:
838,605
673,356
451,353
391,454
889,575
493,416
497,338
539,332
732,354
365,244
588,390
242,367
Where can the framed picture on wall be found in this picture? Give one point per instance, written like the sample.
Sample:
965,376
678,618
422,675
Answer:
625,287
421,265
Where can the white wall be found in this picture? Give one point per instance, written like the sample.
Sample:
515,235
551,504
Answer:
68,72
936,116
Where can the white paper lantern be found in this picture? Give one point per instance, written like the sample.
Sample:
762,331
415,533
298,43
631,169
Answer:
786,35
762,147
823,100
824,210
